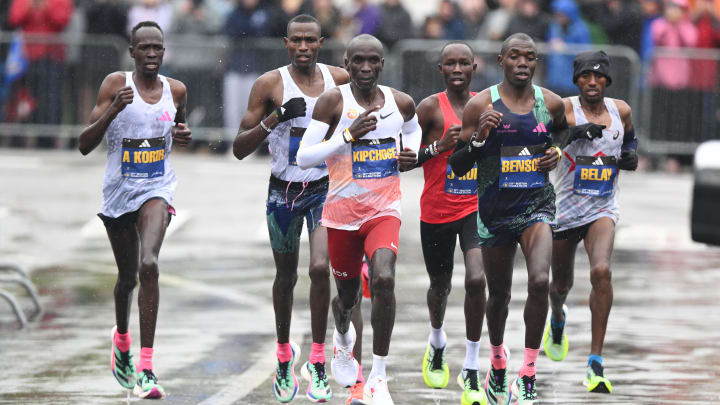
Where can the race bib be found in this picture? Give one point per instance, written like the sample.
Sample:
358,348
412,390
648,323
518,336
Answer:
519,166
465,185
595,176
296,135
143,158
374,158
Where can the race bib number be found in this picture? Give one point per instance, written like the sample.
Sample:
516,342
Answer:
296,135
595,176
465,185
519,166
374,158
143,158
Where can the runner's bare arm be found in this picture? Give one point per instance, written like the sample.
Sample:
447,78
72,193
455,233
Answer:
113,96
558,132
628,156
180,132
326,115
428,112
411,132
569,112
260,106
464,157
340,75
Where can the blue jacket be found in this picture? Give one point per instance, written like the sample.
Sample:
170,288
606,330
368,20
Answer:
559,66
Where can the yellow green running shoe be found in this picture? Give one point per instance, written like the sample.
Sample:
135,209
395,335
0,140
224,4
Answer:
595,380
555,341
469,381
147,386
318,386
434,368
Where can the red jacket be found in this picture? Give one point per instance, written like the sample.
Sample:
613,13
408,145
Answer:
50,17
705,73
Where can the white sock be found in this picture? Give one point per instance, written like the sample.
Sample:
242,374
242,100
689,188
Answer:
345,339
472,349
378,367
437,337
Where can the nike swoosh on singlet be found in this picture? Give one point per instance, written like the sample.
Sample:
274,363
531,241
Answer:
383,117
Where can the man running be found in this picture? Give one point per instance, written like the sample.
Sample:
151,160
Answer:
507,132
280,106
586,182
364,125
448,210
143,114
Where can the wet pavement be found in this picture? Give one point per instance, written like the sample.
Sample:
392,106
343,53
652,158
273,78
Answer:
215,335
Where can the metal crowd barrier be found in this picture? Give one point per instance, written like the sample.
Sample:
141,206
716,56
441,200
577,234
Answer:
20,277
202,63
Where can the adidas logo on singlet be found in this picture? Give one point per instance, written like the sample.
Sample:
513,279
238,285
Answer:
144,144
598,162
524,152
540,128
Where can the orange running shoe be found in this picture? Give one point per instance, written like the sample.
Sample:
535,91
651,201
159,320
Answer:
356,394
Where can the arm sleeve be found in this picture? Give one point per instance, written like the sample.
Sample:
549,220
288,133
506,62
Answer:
630,141
423,156
313,150
560,134
462,160
412,134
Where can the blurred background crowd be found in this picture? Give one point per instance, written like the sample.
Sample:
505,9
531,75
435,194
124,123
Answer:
666,53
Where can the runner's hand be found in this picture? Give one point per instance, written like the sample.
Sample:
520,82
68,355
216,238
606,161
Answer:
448,141
293,108
488,120
181,134
121,99
549,161
407,159
587,131
628,160
364,123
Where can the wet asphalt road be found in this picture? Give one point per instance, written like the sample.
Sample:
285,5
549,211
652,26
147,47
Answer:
215,336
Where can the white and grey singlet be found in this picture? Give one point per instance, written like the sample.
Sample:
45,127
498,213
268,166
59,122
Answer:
285,138
586,181
138,159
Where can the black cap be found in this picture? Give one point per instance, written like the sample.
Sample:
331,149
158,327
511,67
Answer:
592,61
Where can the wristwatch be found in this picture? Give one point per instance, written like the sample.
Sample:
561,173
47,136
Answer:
476,144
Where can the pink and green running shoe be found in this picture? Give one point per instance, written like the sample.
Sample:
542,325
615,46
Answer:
122,365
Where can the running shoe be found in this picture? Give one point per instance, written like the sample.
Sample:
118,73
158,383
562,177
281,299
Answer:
377,393
497,384
525,393
285,383
147,386
469,381
318,387
343,365
357,394
555,341
122,365
595,380
435,370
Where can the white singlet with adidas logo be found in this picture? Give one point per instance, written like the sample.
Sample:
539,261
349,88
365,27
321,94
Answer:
138,166
285,138
575,210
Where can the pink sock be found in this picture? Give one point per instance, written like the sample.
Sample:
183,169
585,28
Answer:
528,367
284,352
122,341
360,376
497,356
146,354
317,353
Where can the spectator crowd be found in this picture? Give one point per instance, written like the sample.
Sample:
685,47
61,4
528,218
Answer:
37,95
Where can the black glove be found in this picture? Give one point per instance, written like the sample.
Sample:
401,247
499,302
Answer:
293,108
628,160
587,131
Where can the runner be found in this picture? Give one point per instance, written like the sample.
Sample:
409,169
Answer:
586,182
448,210
365,125
507,132
143,114
280,106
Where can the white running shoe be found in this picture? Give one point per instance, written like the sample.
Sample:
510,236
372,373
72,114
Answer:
344,367
376,391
